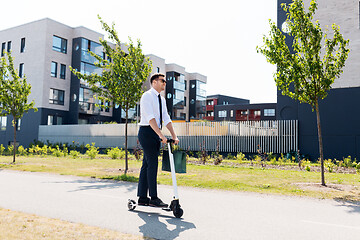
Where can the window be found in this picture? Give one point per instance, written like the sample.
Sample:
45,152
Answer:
107,108
257,113
50,120
223,113
3,46
56,96
59,44
244,112
157,69
231,113
62,71
21,70
9,46
54,69
18,123
184,101
269,112
59,120
3,123
22,45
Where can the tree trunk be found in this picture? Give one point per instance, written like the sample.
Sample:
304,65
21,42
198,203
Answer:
320,144
126,141
14,146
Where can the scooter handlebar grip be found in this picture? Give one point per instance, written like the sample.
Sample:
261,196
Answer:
169,140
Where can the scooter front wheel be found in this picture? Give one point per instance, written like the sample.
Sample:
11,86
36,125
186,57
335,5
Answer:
178,212
131,204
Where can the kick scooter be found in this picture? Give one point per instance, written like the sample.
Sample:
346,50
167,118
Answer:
174,205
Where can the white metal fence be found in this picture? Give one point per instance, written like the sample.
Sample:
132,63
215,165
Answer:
280,136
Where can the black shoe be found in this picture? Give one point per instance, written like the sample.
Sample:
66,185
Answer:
157,203
143,201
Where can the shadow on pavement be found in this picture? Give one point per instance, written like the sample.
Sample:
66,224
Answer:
154,228
96,184
353,207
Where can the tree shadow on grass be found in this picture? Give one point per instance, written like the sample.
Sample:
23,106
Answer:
154,228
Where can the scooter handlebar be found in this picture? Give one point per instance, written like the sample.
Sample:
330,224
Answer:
169,140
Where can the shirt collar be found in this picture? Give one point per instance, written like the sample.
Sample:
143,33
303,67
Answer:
154,91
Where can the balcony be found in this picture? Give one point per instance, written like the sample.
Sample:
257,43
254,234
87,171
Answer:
209,118
88,108
209,107
250,115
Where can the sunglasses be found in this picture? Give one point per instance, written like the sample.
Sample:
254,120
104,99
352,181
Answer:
163,80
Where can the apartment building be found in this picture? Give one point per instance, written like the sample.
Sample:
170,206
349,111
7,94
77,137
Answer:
226,108
213,101
43,50
340,110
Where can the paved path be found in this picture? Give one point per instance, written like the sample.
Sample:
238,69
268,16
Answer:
207,214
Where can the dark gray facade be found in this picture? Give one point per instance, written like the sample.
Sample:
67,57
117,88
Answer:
339,114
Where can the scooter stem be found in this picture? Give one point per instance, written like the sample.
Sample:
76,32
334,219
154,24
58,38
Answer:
172,167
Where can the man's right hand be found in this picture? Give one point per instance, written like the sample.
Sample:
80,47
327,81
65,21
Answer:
164,140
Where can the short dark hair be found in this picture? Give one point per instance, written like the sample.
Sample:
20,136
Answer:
156,76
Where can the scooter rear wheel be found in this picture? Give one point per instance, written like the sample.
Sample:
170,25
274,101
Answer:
178,212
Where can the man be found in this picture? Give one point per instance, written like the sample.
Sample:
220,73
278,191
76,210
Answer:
153,112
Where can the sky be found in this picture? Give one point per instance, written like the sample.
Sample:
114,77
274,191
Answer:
217,39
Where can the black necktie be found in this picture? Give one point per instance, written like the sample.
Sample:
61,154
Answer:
159,97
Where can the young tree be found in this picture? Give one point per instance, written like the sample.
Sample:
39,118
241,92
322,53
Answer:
122,78
306,73
14,92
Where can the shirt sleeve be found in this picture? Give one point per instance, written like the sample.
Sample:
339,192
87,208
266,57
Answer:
166,117
147,108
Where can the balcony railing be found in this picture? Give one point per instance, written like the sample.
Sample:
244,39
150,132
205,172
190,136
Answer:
209,107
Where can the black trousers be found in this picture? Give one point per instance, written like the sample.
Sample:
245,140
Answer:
150,143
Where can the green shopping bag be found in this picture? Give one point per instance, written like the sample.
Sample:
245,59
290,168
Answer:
179,161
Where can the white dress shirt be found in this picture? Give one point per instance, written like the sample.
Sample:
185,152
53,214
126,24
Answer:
149,108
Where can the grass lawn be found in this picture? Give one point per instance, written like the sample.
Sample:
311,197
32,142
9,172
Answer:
17,225
223,177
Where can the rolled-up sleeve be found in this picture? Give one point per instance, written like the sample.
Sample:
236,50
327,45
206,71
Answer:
147,108
166,117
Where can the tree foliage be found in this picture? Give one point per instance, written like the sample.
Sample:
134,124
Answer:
307,71
14,93
122,78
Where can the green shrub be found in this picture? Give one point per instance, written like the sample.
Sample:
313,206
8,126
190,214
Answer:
2,149
57,152
348,162
22,151
358,166
10,149
35,149
74,154
45,150
92,151
273,161
271,156
307,168
241,157
65,150
281,160
114,153
329,165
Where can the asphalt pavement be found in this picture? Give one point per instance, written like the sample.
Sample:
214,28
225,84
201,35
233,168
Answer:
208,214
